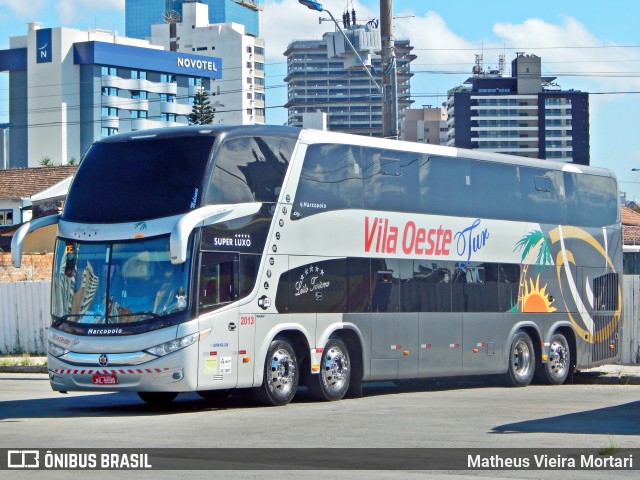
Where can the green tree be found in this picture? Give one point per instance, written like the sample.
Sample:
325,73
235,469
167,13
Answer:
202,112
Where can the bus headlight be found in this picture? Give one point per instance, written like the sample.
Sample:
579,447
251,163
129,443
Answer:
173,345
55,350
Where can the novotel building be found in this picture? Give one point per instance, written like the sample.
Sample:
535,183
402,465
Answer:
68,88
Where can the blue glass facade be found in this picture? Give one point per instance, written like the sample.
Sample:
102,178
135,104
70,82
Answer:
141,14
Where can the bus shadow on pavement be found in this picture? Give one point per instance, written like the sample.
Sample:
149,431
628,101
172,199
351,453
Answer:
115,404
617,420
123,404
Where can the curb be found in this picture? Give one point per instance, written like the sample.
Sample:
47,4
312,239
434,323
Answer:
599,378
24,369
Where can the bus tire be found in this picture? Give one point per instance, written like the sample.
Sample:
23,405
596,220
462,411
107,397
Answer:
556,370
522,360
158,398
280,375
332,381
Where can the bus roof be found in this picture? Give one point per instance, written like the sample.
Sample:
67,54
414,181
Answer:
321,136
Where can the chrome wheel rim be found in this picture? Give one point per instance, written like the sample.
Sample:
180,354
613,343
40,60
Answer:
558,358
336,369
521,358
283,371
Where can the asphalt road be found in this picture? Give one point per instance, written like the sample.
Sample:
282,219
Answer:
463,415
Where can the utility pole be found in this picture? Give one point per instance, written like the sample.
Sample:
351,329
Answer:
389,79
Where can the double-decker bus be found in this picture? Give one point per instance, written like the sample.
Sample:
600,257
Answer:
209,259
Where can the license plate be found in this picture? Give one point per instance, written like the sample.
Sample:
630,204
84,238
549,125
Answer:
105,380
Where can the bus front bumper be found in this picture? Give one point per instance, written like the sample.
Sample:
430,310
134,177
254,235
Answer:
171,373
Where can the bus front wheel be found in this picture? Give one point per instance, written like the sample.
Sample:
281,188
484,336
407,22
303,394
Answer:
332,382
280,378
522,360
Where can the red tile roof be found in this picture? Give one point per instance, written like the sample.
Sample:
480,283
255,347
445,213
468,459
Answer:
24,182
630,226
629,216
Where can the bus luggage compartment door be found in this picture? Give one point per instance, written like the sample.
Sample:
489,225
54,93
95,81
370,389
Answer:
394,352
440,344
218,362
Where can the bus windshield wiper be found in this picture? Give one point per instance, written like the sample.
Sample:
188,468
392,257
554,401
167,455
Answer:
147,313
65,318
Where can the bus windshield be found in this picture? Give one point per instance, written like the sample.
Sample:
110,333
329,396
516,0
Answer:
111,283
139,180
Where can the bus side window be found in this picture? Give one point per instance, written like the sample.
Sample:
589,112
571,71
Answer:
446,186
218,280
250,169
590,200
541,200
331,179
391,180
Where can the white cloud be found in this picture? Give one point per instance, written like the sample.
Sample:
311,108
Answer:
24,9
597,64
284,21
72,11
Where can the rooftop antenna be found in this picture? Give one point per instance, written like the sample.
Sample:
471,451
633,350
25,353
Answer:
477,69
171,16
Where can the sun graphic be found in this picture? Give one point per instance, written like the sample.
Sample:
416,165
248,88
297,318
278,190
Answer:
535,299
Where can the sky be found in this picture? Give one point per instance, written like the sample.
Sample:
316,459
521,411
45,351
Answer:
588,45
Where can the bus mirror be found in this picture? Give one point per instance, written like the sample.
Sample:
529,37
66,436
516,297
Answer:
17,242
209,214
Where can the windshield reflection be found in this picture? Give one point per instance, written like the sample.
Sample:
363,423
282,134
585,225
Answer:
117,282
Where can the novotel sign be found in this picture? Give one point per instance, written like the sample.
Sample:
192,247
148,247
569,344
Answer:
198,64
152,60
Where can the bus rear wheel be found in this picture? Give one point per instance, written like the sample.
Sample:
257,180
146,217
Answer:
556,370
332,382
158,398
522,360
280,378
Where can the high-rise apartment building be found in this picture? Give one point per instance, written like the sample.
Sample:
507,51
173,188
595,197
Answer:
317,83
68,88
141,14
525,114
239,96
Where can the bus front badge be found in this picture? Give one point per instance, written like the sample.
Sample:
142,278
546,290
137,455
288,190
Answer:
103,360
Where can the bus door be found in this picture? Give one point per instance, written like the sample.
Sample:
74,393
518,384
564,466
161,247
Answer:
218,286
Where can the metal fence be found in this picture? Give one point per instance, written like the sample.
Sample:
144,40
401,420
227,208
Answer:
24,318
630,335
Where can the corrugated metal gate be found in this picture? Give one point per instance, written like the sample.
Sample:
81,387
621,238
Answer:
630,335
24,317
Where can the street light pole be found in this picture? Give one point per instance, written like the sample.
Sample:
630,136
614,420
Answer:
389,79
312,5
388,90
